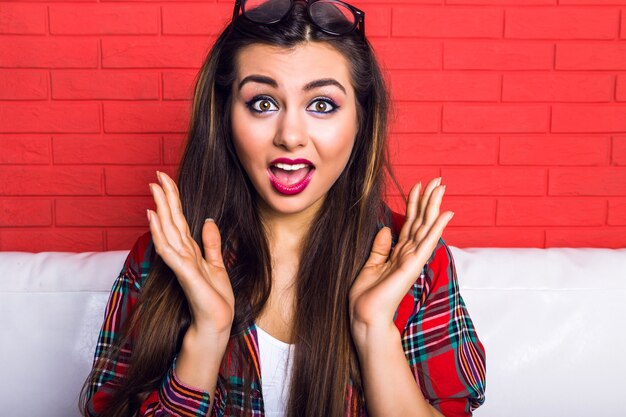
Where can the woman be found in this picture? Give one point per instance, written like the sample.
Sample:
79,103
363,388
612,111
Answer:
301,294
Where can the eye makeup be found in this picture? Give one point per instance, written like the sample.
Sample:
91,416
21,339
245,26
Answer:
250,104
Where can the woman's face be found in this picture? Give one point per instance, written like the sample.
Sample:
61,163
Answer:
293,104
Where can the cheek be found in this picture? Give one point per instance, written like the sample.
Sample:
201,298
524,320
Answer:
337,142
246,139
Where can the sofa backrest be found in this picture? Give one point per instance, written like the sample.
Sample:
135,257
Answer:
551,321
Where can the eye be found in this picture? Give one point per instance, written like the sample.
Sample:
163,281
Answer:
265,104
322,105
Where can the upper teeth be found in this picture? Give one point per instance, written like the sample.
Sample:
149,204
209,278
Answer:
288,167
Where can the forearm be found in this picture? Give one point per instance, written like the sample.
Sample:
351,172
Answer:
198,362
387,378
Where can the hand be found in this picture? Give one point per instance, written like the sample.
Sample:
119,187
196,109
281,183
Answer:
382,283
204,280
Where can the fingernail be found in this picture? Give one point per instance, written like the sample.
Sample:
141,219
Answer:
148,214
439,181
444,190
209,220
158,174
452,215
151,189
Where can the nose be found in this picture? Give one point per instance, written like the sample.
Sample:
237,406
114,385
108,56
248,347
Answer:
291,132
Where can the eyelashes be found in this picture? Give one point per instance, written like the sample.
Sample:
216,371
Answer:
251,104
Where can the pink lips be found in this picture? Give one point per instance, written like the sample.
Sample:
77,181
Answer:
295,188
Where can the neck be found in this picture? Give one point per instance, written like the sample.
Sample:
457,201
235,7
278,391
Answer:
286,231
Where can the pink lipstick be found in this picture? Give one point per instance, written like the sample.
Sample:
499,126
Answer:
290,176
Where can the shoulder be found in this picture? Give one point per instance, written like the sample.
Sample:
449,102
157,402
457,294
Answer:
140,258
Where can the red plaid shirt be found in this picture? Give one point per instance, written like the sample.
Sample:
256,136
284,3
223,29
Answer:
438,336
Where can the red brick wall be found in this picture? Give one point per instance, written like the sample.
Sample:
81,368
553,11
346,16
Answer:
519,105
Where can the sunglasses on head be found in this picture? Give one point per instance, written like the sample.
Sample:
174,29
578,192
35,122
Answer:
331,16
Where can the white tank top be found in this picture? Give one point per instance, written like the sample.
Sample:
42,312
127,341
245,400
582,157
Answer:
276,359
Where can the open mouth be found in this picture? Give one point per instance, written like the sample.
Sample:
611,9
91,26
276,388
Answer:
290,178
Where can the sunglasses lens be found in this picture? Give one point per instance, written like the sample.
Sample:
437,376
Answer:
333,16
266,11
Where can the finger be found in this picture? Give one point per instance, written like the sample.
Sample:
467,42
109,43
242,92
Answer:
161,244
411,211
170,231
434,204
429,242
432,213
423,203
175,206
212,241
380,248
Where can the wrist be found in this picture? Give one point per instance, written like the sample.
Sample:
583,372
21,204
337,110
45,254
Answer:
203,338
371,337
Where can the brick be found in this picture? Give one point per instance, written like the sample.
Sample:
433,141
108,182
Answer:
605,181
22,19
504,2
445,86
467,212
19,84
25,212
595,118
618,155
178,85
555,211
494,237
620,92
103,19
392,53
25,149
106,149
561,23
613,237
33,180
123,239
491,181
49,117
591,56
133,180
617,212
104,85
146,117
173,147
557,87
56,239
104,211
623,24
458,149
378,21
414,118
468,118
48,52
195,19
593,2
160,52
446,22
409,175
554,150
497,55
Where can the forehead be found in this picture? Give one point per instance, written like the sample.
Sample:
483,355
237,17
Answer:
292,67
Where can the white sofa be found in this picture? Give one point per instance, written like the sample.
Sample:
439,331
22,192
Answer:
551,320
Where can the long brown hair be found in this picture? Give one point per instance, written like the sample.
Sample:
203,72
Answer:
213,183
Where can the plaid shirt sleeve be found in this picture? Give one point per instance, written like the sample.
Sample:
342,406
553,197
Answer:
173,398
440,342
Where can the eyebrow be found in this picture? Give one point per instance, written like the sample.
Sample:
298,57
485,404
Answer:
309,86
